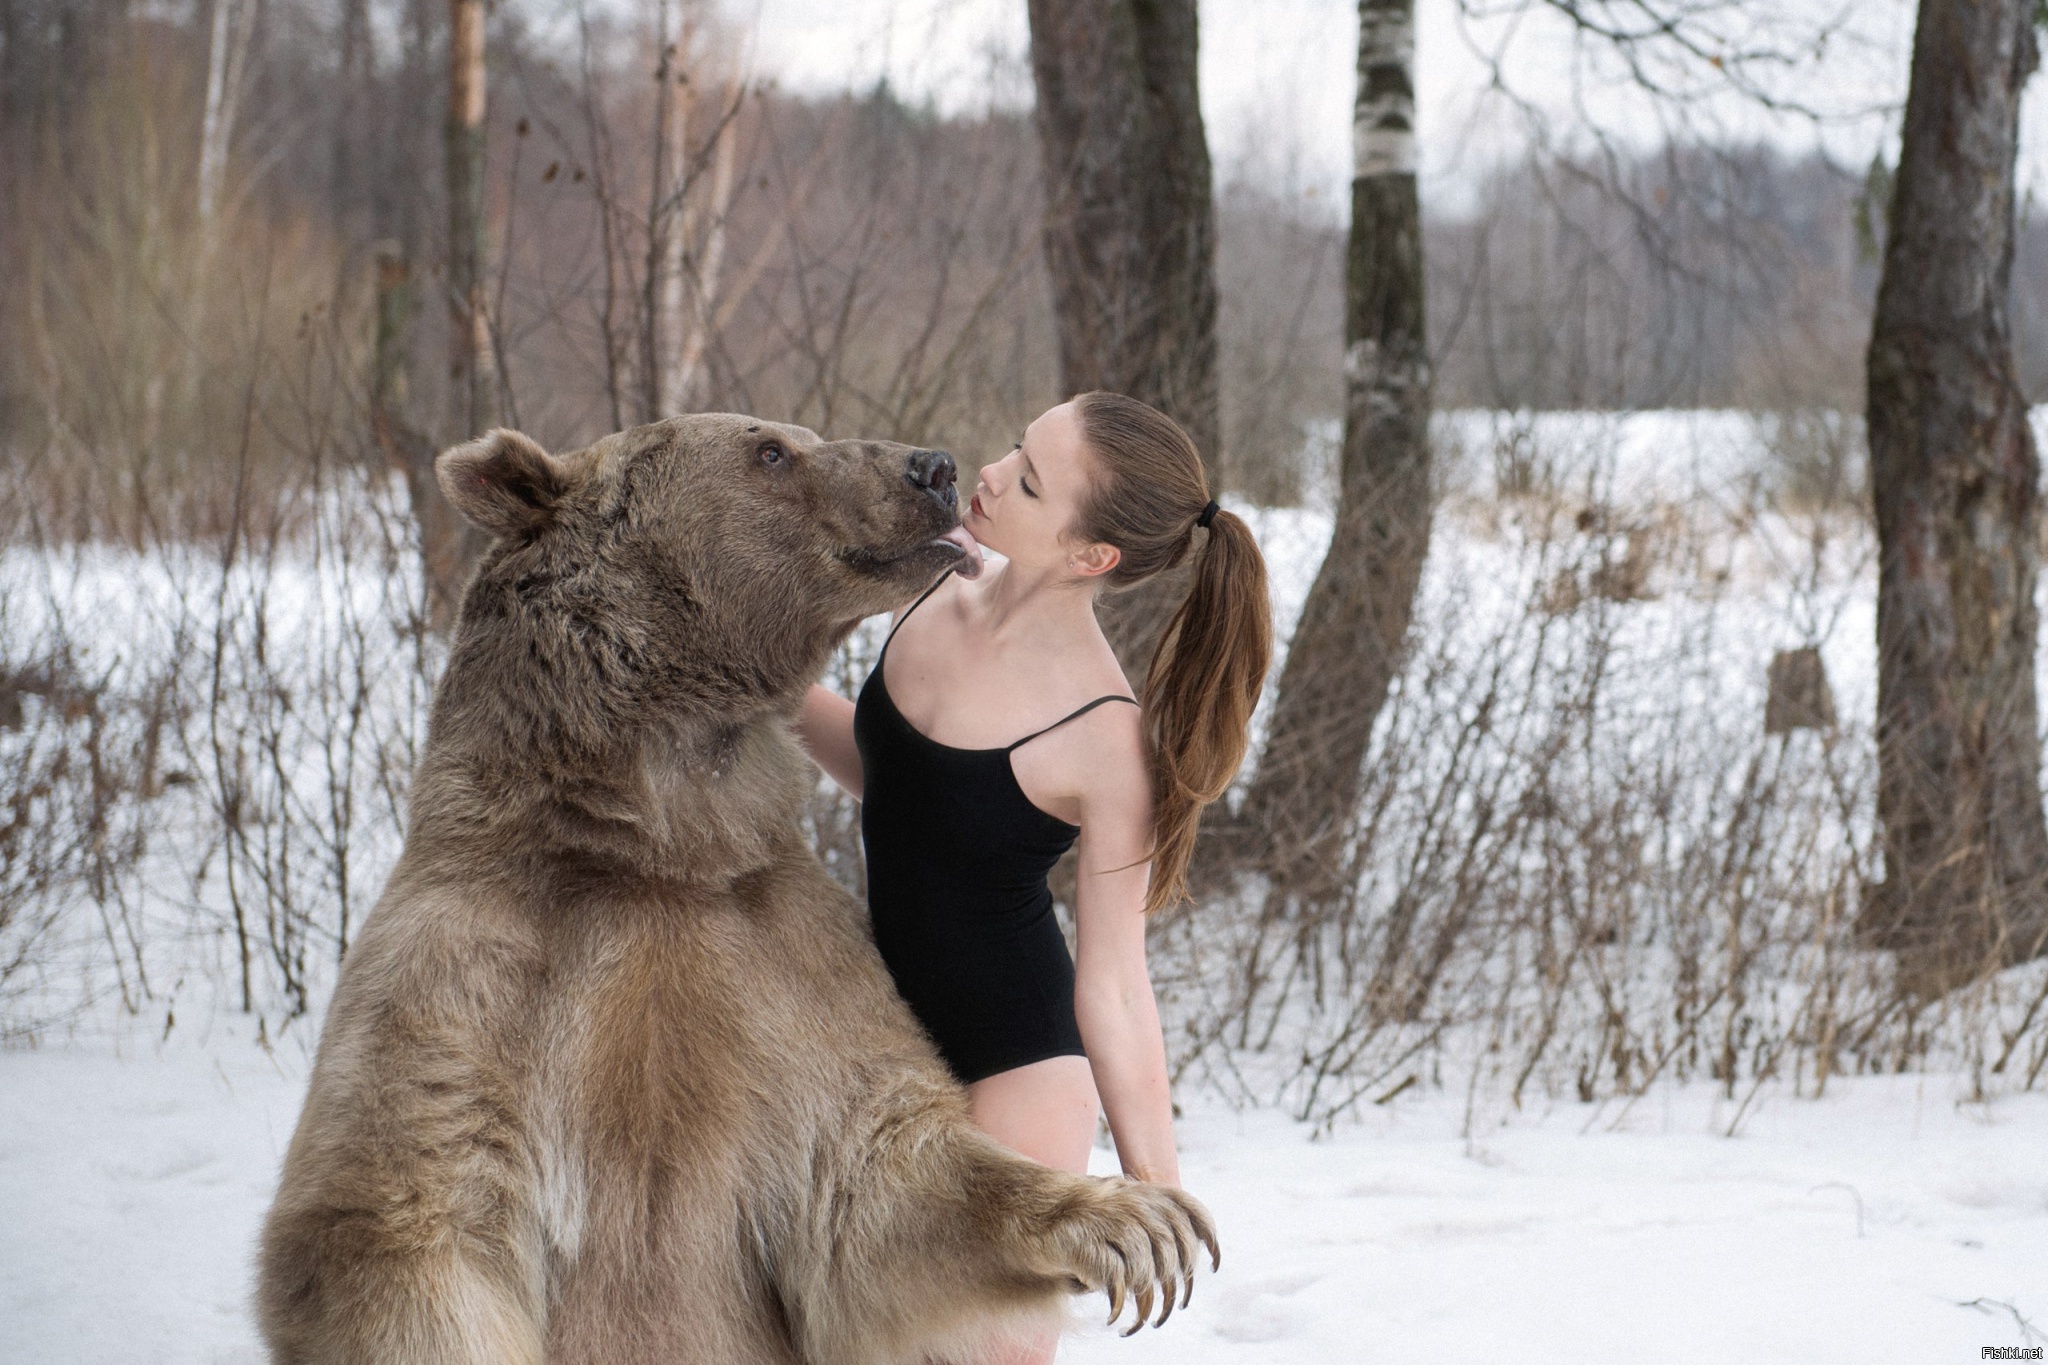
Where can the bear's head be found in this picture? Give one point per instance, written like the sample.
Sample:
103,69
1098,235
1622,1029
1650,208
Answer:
654,605
751,546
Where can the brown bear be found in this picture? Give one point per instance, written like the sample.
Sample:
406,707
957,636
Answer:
614,1072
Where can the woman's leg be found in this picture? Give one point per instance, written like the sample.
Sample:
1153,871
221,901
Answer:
1045,1111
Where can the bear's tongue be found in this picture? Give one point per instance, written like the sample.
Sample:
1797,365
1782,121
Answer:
970,565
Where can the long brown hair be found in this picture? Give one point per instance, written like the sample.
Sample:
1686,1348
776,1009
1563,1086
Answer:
1147,500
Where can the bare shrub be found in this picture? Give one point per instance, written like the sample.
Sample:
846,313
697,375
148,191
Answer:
1816,460
1581,866
1280,259
207,777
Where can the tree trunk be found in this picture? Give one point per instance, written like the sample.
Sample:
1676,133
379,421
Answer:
1955,474
705,276
472,392
358,65
661,285
230,28
1130,237
14,103
227,50
447,544
408,126
1349,642
450,546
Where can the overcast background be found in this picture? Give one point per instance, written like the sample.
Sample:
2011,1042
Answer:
1277,77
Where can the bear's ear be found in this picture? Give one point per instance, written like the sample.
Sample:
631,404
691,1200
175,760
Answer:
503,482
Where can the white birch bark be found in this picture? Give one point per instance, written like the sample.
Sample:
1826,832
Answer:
1383,119
472,394
690,357
226,52
672,104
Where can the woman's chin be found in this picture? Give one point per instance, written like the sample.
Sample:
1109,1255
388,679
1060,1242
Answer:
979,528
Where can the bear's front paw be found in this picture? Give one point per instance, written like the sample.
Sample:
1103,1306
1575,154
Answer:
1138,1240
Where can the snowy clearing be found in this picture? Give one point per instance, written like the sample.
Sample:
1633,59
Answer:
131,1188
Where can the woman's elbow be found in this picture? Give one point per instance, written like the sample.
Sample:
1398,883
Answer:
1113,1006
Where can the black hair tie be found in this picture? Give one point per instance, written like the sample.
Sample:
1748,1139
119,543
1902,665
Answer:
1208,515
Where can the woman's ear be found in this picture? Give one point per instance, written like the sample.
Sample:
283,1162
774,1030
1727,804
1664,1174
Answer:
504,482
1095,558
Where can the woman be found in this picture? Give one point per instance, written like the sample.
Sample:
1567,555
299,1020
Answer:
962,818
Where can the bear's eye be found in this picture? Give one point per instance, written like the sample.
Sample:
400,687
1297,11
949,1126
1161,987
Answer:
772,454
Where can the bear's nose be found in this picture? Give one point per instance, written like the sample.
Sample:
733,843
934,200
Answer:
933,471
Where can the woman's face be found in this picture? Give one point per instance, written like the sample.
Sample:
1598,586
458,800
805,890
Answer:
1026,504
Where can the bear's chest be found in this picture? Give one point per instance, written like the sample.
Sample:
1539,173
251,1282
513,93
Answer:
689,1060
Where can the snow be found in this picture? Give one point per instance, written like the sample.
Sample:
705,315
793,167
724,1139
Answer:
1537,1240
131,1189
1854,1228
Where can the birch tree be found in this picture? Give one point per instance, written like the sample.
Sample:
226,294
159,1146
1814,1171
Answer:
686,220
227,51
472,390
661,283
702,272
229,30
1348,644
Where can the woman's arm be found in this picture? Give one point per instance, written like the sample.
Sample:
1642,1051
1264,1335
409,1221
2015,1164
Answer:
825,727
1113,999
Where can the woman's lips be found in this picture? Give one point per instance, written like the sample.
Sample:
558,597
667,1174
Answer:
974,505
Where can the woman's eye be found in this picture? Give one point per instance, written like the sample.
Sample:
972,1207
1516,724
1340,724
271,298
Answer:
1025,484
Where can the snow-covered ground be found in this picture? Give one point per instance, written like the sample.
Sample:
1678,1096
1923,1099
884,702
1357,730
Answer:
1885,1222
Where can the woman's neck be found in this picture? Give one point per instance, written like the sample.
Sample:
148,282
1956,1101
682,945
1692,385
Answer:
1017,598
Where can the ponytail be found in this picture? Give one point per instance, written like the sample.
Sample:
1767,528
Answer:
1199,695
1210,664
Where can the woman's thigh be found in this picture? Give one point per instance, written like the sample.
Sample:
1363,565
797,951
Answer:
1045,1110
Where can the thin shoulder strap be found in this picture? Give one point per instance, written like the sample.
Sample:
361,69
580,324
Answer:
1072,715
911,608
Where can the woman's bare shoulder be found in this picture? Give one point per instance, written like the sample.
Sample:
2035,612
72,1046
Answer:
1099,757
1109,768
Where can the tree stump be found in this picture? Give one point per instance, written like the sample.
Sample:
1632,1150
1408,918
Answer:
1800,698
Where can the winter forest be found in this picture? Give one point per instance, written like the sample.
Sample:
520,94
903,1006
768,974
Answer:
1628,931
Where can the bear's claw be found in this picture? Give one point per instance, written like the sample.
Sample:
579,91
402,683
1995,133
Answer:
1136,1242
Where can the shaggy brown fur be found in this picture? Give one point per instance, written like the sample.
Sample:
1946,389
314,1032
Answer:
614,1073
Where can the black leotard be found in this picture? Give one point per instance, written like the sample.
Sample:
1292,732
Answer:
957,860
